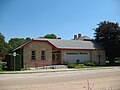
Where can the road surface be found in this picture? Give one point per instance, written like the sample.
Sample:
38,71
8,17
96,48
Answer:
98,79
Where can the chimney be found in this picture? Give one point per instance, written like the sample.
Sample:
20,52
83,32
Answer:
59,38
79,35
75,37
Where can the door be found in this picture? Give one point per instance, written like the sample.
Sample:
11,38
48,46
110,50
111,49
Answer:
56,58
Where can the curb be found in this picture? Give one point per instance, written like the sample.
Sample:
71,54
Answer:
30,72
53,70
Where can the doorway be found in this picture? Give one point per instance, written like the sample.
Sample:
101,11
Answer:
56,57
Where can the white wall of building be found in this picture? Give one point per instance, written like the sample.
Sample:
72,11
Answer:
72,56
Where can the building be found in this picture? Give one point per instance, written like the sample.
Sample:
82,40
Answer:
41,52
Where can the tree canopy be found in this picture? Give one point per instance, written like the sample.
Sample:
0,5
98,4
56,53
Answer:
15,42
3,46
50,36
108,35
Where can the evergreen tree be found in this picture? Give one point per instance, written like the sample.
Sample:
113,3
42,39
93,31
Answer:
108,35
3,47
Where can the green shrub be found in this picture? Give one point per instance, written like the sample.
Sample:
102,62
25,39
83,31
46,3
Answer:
0,65
11,64
117,61
89,63
80,66
71,65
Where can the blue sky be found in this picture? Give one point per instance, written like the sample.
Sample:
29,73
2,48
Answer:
35,18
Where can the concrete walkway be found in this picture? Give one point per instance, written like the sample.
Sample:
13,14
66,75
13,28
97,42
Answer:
36,70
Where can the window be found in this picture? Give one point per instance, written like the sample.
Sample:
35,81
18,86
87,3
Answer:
42,55
33,55
53,57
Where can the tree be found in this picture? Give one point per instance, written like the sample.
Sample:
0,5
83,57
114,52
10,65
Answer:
16,42
50,36
3,47
108,35
27,39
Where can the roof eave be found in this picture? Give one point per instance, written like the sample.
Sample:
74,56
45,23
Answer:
54,47
77,49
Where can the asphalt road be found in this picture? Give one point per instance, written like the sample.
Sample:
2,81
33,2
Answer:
98,79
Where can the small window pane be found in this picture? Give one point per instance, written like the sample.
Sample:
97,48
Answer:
42,55
33,55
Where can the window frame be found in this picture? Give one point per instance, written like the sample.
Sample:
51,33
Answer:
43,55
33,55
